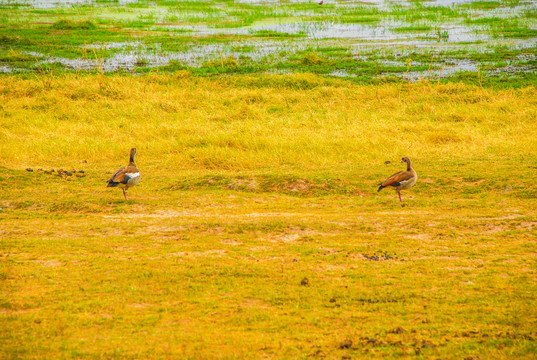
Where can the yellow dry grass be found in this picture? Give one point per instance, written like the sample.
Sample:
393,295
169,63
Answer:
301,122
250,185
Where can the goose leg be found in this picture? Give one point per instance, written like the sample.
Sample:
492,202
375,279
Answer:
124,194
399,193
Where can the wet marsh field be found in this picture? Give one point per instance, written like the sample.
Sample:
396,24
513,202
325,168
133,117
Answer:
472,41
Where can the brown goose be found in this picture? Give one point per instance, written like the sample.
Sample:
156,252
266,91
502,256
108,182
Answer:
401,180
126,177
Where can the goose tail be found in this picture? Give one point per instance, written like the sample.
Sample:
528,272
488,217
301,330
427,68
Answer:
112,184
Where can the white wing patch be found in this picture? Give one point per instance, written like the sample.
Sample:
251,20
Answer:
133,178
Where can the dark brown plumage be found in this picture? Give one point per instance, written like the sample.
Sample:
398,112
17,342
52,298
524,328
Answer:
126,177
401,180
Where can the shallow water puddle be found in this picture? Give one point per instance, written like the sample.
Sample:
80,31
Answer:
195,56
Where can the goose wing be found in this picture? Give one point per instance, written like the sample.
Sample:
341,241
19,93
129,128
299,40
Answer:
118,176
397,178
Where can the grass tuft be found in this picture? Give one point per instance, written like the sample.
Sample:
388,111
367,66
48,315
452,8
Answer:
73,25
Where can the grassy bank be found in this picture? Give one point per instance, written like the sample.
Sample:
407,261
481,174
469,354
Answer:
297,123
257,231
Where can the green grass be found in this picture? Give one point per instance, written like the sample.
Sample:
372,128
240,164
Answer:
417,28
250,185
73,25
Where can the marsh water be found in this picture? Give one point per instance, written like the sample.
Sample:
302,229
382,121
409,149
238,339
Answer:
407,39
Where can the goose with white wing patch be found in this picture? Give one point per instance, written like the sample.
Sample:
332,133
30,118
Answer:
126,177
